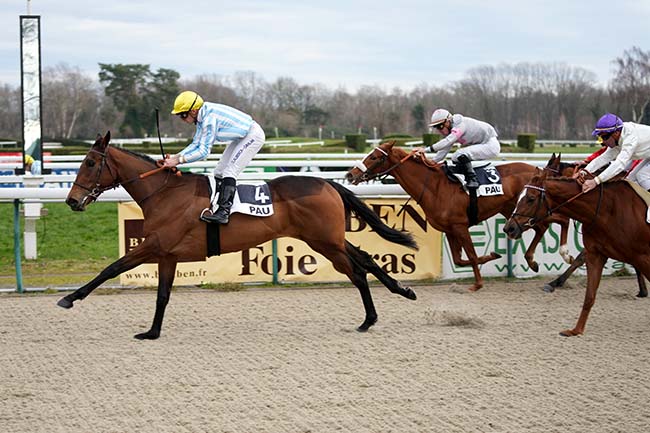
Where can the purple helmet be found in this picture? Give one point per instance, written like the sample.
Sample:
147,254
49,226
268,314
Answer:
607,124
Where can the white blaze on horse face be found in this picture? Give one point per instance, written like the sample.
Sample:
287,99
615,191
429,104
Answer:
521,196
361,164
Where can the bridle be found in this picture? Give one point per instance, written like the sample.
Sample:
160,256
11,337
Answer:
367,173
98,189
533,220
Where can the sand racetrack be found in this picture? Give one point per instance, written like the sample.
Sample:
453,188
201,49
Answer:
274,360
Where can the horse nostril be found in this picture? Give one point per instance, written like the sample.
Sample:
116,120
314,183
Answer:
71,202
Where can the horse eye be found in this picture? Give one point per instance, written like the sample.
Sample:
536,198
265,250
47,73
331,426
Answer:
530,198
90,163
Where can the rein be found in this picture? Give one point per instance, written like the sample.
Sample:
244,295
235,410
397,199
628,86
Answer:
532,220
97,190
369,175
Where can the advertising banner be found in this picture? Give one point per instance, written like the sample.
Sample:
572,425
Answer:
296,261
488,236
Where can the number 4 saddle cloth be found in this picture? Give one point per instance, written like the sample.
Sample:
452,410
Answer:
253,198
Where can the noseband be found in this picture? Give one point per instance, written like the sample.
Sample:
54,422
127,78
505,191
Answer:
368,172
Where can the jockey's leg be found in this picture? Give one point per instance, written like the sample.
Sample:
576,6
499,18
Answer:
468,170
641,175
236,157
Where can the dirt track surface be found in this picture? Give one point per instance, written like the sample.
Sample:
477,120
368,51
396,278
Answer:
291,361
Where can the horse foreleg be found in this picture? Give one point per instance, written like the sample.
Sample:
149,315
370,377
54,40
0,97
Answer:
564,236
137,256
559,281
166,273
595,264
529,255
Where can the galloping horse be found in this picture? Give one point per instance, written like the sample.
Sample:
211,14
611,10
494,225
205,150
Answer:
558,168
305,208
445,203
613,225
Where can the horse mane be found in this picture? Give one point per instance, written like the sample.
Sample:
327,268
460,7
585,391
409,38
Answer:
136,154
148,159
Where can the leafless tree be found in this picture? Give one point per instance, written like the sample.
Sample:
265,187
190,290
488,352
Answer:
631,82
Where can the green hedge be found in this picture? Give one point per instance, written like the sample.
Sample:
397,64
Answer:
356,141
430,139
526,142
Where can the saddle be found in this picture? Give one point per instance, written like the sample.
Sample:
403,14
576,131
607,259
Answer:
645,196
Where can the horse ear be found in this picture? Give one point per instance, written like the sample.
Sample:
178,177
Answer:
551,160
105,140
390,144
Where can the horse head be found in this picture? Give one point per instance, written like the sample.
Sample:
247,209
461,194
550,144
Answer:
375,164
94,176
531,208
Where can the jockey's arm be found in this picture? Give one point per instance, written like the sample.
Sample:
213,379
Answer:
619,165
201,144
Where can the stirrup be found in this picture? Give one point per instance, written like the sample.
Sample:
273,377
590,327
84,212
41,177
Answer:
208,216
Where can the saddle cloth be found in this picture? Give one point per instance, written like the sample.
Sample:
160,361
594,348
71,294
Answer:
488,176
250,199
645,196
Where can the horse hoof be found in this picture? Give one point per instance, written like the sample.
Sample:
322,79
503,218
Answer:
65,303
147,336
474,288
496,255
548,288
410,294
642,295
569,333
366,325
534,267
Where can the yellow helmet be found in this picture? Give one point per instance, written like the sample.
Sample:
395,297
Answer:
187,101
29,159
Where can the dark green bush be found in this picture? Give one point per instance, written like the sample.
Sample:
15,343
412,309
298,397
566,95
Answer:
526,142
429,139
356,141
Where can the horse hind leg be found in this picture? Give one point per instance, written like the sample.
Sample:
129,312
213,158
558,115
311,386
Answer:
344,264
363,259
643,290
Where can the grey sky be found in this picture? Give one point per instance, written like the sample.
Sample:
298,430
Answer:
337,42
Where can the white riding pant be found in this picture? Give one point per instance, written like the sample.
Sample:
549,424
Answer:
239,153
479,152
641,174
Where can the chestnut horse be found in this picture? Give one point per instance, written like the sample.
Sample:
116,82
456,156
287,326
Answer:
445,203
305,208
558,168
613,225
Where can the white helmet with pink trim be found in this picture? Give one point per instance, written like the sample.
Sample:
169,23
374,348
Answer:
439,116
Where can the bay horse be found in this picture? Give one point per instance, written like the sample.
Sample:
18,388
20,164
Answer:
306,208
613,225
445,203
556,167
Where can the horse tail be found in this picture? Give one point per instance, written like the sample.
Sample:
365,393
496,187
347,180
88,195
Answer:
354,204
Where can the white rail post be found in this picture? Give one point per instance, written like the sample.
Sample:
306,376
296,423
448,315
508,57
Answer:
32,214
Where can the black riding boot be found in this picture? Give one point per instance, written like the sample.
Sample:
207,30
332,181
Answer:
470,175
226,197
